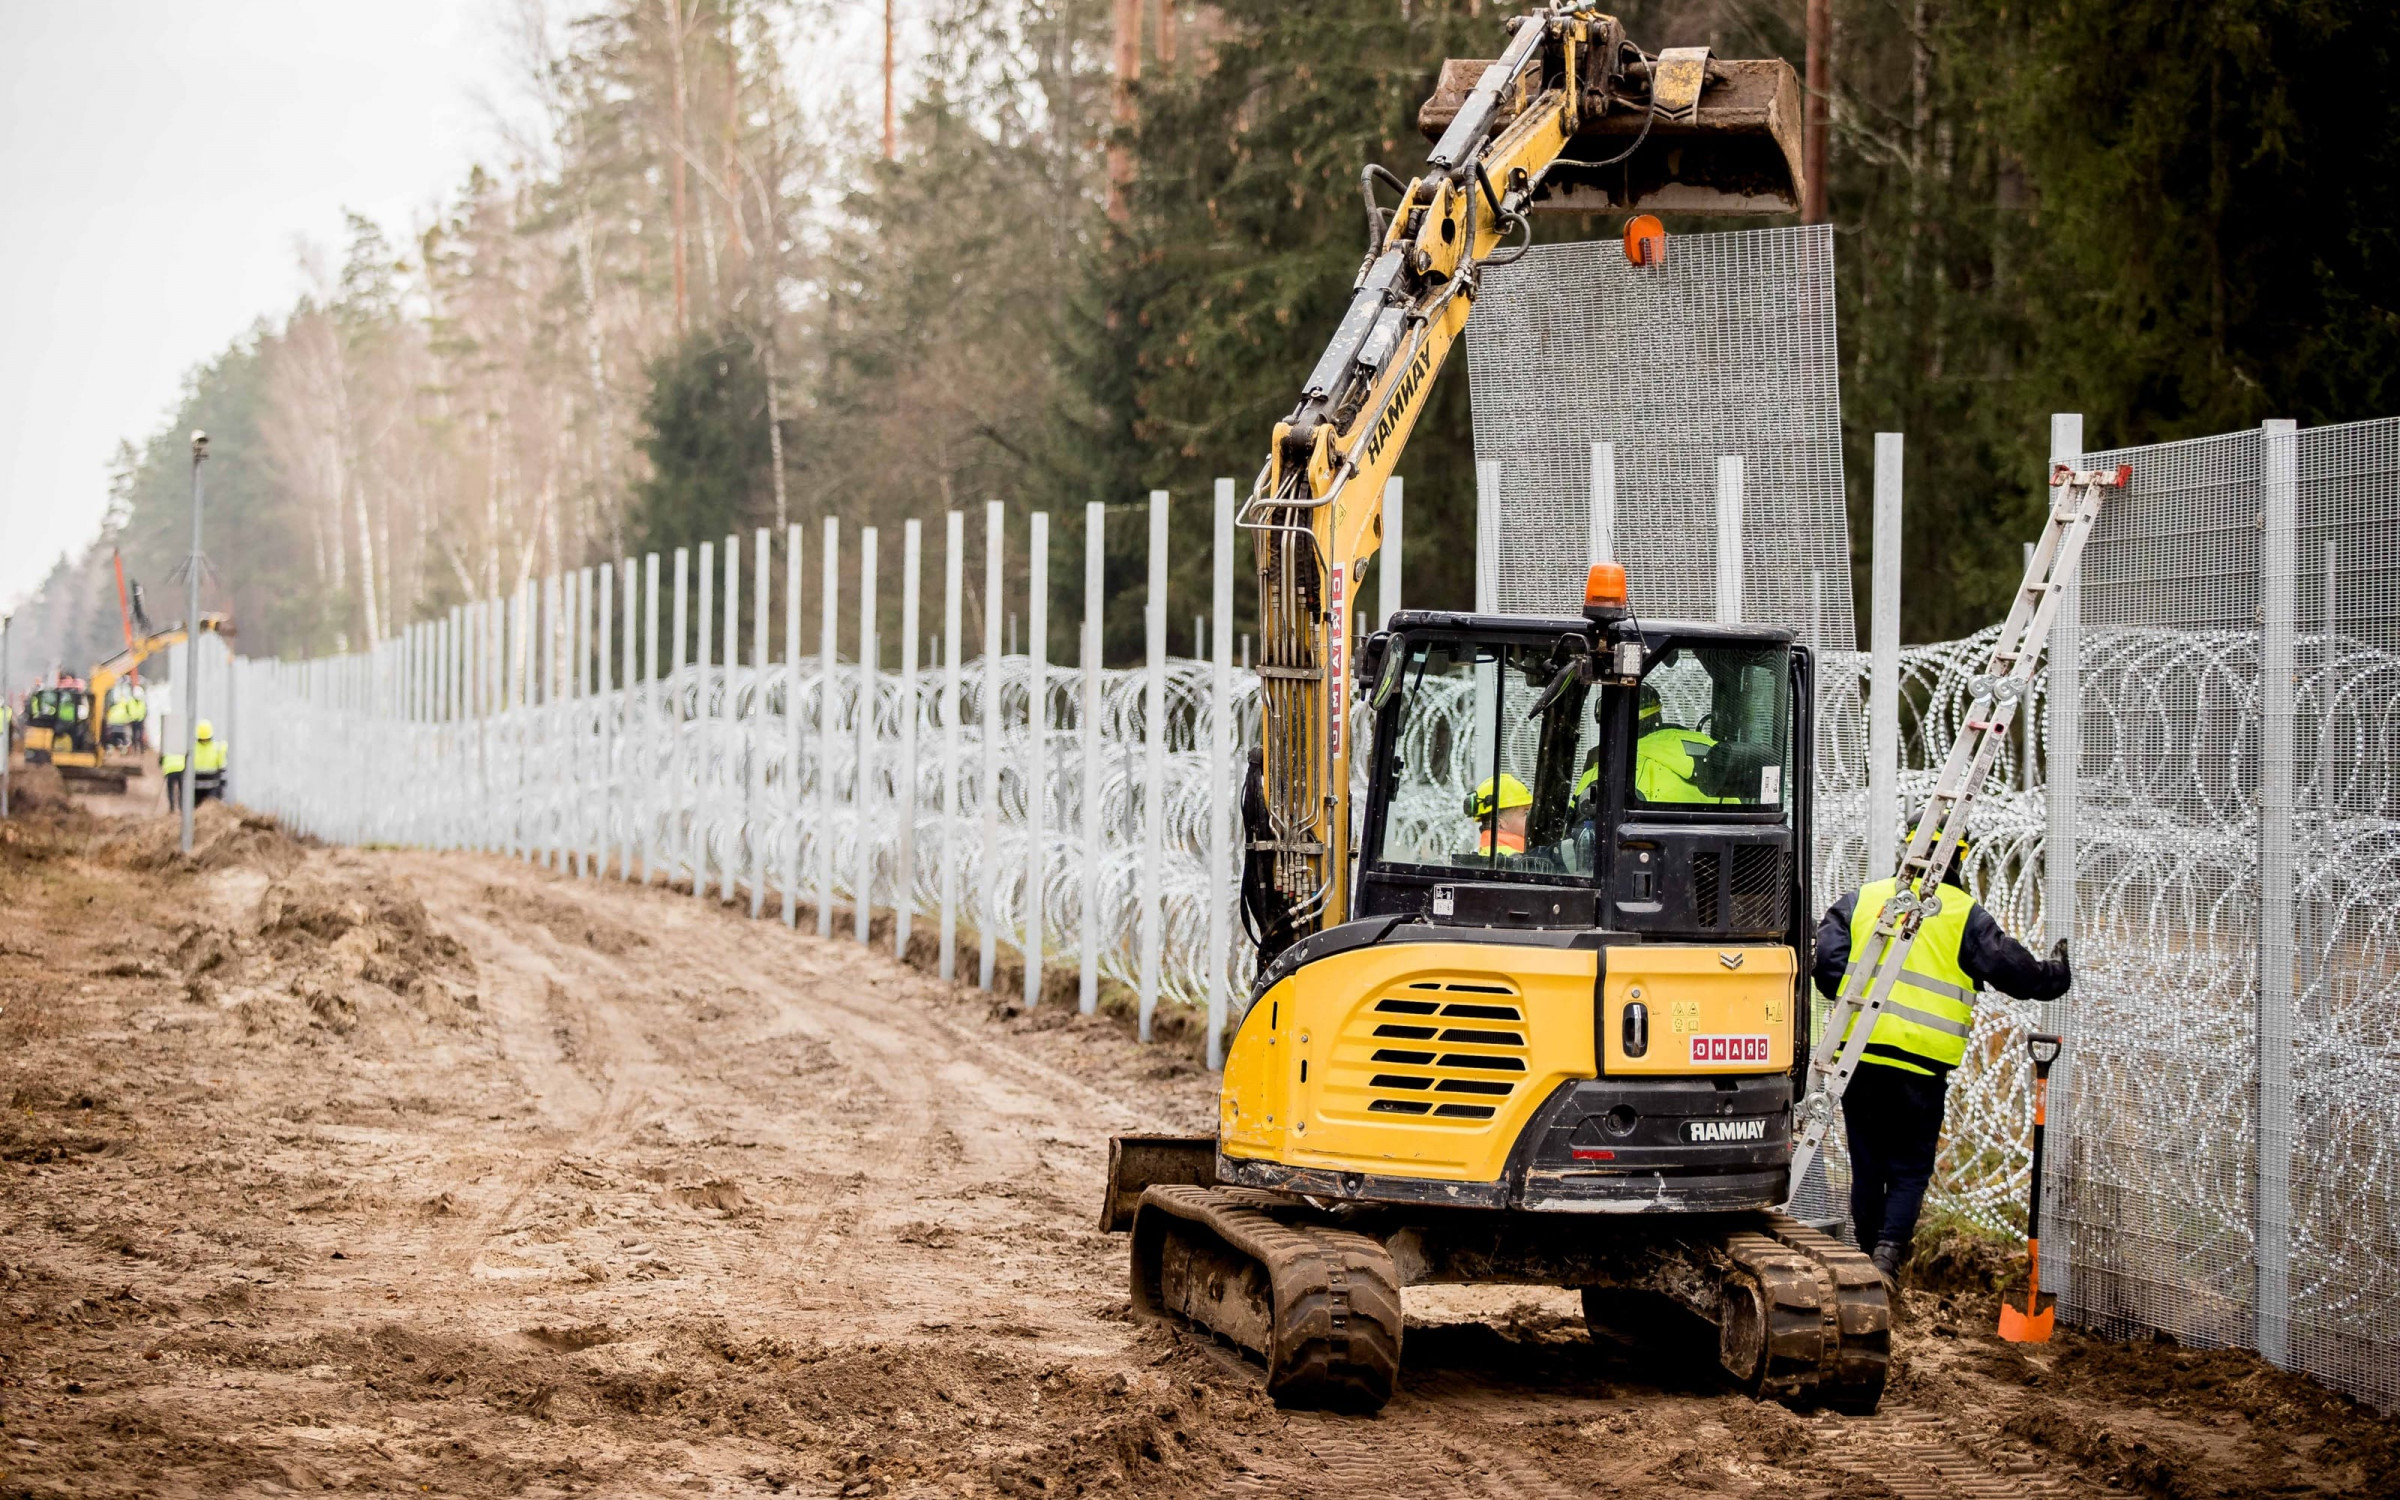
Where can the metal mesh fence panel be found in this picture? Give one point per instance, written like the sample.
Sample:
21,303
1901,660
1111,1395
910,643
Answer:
1726,349
2233,1093
2344,1319
2156,1185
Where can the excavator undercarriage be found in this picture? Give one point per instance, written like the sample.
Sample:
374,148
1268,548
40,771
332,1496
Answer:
1314,1293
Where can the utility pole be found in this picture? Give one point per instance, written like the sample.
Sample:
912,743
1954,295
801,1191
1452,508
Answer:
191,650
1820,92
8,732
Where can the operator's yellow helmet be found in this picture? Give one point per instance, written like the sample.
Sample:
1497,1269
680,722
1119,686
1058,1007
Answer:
1511,793
206,730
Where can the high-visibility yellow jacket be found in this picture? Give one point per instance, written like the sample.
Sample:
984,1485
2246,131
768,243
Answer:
209,755
170,764
1931,1009
1664,761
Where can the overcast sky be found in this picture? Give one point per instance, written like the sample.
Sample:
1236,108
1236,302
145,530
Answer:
160,163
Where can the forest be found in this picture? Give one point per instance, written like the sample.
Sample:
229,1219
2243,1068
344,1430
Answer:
1107,237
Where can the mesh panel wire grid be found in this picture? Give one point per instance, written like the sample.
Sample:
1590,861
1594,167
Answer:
2233,1090
1725,349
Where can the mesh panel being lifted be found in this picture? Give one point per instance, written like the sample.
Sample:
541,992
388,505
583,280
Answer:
1727,348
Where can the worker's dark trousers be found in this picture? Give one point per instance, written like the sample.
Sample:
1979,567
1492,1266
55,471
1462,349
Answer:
1894,1119
174,791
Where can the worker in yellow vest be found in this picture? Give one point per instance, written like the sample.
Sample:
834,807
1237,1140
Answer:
208,763
1893,1107
170,767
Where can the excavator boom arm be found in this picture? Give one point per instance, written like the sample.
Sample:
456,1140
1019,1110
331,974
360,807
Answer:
1316,510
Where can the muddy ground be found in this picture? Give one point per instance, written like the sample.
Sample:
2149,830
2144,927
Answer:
387,1172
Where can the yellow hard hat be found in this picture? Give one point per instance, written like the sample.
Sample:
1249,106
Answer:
1512,794
206,731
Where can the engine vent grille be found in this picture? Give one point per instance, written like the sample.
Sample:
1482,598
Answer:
1761,881
1706,868
1470,1053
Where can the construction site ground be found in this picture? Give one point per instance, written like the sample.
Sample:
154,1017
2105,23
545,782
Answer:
389,1172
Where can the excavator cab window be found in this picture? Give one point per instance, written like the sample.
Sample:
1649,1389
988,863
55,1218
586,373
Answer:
1484,770
1712,728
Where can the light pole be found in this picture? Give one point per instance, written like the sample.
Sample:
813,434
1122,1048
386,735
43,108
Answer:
8,718
191,651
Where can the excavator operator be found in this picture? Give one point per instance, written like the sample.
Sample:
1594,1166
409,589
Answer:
1501,812
1893,1108
1666,757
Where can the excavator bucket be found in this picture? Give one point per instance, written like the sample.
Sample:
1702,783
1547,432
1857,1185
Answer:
1733,150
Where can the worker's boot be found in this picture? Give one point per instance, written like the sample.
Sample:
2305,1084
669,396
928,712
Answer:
1887,1256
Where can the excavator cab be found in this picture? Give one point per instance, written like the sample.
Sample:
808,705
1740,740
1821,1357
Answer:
1577,932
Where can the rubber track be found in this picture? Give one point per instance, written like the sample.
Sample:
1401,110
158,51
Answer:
1336,1320
1856,1350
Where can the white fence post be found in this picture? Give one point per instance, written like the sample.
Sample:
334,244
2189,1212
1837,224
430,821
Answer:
754,836
954,568
580,744
554,589
654,780
862,795
1883,639
628,738
725,735
1601,524
791,723
829,585
603,637
705,717
904,883
1487,536
2064,758
1095,555
2278,596
1221,815
987,872
1154,740
1037,745
1729,539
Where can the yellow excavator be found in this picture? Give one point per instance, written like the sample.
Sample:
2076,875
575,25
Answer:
65,725
1543,1025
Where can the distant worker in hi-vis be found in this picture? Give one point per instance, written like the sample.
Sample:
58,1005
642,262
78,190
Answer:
1893,1108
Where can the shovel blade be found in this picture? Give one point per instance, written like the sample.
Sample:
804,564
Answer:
2020,1327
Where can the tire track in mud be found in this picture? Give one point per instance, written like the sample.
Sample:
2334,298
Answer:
1919,1455
593,1056
936,1116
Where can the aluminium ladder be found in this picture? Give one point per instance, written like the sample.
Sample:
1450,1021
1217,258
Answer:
1995,694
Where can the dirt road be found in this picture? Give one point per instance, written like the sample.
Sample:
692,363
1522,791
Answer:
386,1172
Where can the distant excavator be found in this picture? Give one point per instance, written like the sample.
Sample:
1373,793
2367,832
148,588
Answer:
66,724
